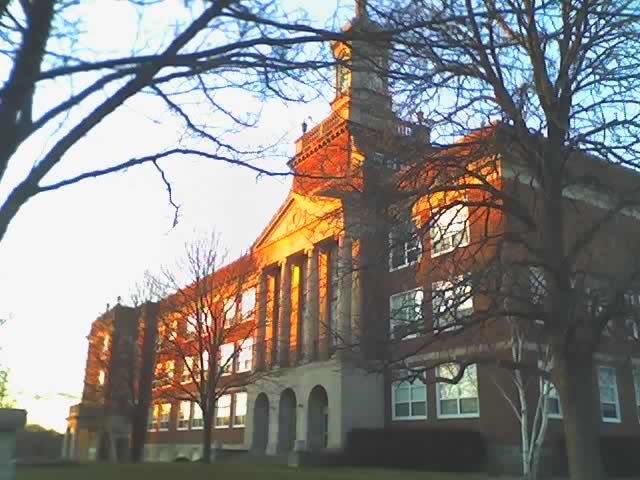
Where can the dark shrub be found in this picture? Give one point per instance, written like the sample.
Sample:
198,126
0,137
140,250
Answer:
619,456
181,460
436,450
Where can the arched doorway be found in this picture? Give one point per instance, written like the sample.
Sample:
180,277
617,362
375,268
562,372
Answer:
260,423
287,421
318,418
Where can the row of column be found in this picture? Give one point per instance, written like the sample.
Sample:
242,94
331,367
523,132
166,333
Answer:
297,320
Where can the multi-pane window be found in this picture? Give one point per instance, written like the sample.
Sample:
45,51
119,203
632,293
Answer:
101,377
245,356
461,399
223,411
450,230
226,358
248,304
165,415
197,419
187,370
409,399
537,285
631,322
554,408
106,343
230,311
451,303
406,313
405,245
636,387
609,401
154,417
184,415
239,409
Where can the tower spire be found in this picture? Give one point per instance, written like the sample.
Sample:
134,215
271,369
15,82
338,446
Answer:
361,8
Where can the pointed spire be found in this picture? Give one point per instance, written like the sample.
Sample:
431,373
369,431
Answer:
361,9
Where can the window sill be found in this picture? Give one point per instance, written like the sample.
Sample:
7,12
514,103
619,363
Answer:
612,420
403,266
197,428
221,427
465,415
240,426
182,429
449,250
408,419
554,417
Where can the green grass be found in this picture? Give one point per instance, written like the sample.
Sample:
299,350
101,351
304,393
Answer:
187,471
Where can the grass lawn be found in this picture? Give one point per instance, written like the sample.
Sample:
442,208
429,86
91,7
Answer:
187,471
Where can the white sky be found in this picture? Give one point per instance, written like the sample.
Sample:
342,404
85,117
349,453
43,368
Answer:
69,253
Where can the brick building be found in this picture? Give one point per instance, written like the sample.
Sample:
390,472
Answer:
323,290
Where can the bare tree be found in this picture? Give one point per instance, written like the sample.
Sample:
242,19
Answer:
61,83
533,164
206,334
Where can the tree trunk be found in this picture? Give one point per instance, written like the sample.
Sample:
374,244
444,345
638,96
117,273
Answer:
206,439
579,396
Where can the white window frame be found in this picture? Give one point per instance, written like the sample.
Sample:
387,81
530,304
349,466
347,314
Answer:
230,312
418,297
458,415
162,415
244,356
417,383
450,289
631,323
552,394
187,368
444,223
236,396
618,417
226,400
245,312
102,375
186,422
227,358
635,372
154,418
406,246
196,415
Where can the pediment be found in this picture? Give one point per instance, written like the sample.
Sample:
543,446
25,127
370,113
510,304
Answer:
297,213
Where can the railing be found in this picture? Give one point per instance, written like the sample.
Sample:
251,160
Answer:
317,132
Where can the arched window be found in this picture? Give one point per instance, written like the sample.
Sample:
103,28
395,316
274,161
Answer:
343,74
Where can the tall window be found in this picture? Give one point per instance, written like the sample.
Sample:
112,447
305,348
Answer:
106,343
191,327
405,316
631,322
636,387
226,358
223,411
165,415
187,370
609,401
197,419
405,245
450,230
230,311
245,356
248,304
154,417
101,377
554,408
451,303
184,415
409,399
239,409
461,399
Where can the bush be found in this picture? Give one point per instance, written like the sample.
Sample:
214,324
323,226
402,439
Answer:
619,456
181,460
436,450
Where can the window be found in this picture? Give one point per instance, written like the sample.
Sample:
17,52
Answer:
101,377
230,310
406,313
405,245
609,402
191,327
631,322
170,369
409,399
106,343
554,408
460,400
154,417
226,358
223,411
343,75
450,230
197,420
239,409
184,415
248,304
245,356
451,302
165,415
187,370
636,386
537,285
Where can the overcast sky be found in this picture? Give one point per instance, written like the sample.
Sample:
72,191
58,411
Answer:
69,253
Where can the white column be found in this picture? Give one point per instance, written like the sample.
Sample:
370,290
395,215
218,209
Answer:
311,307
356,297
284,313
261,318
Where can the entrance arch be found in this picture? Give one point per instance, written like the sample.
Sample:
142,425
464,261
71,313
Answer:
287,421
260,423
318,436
